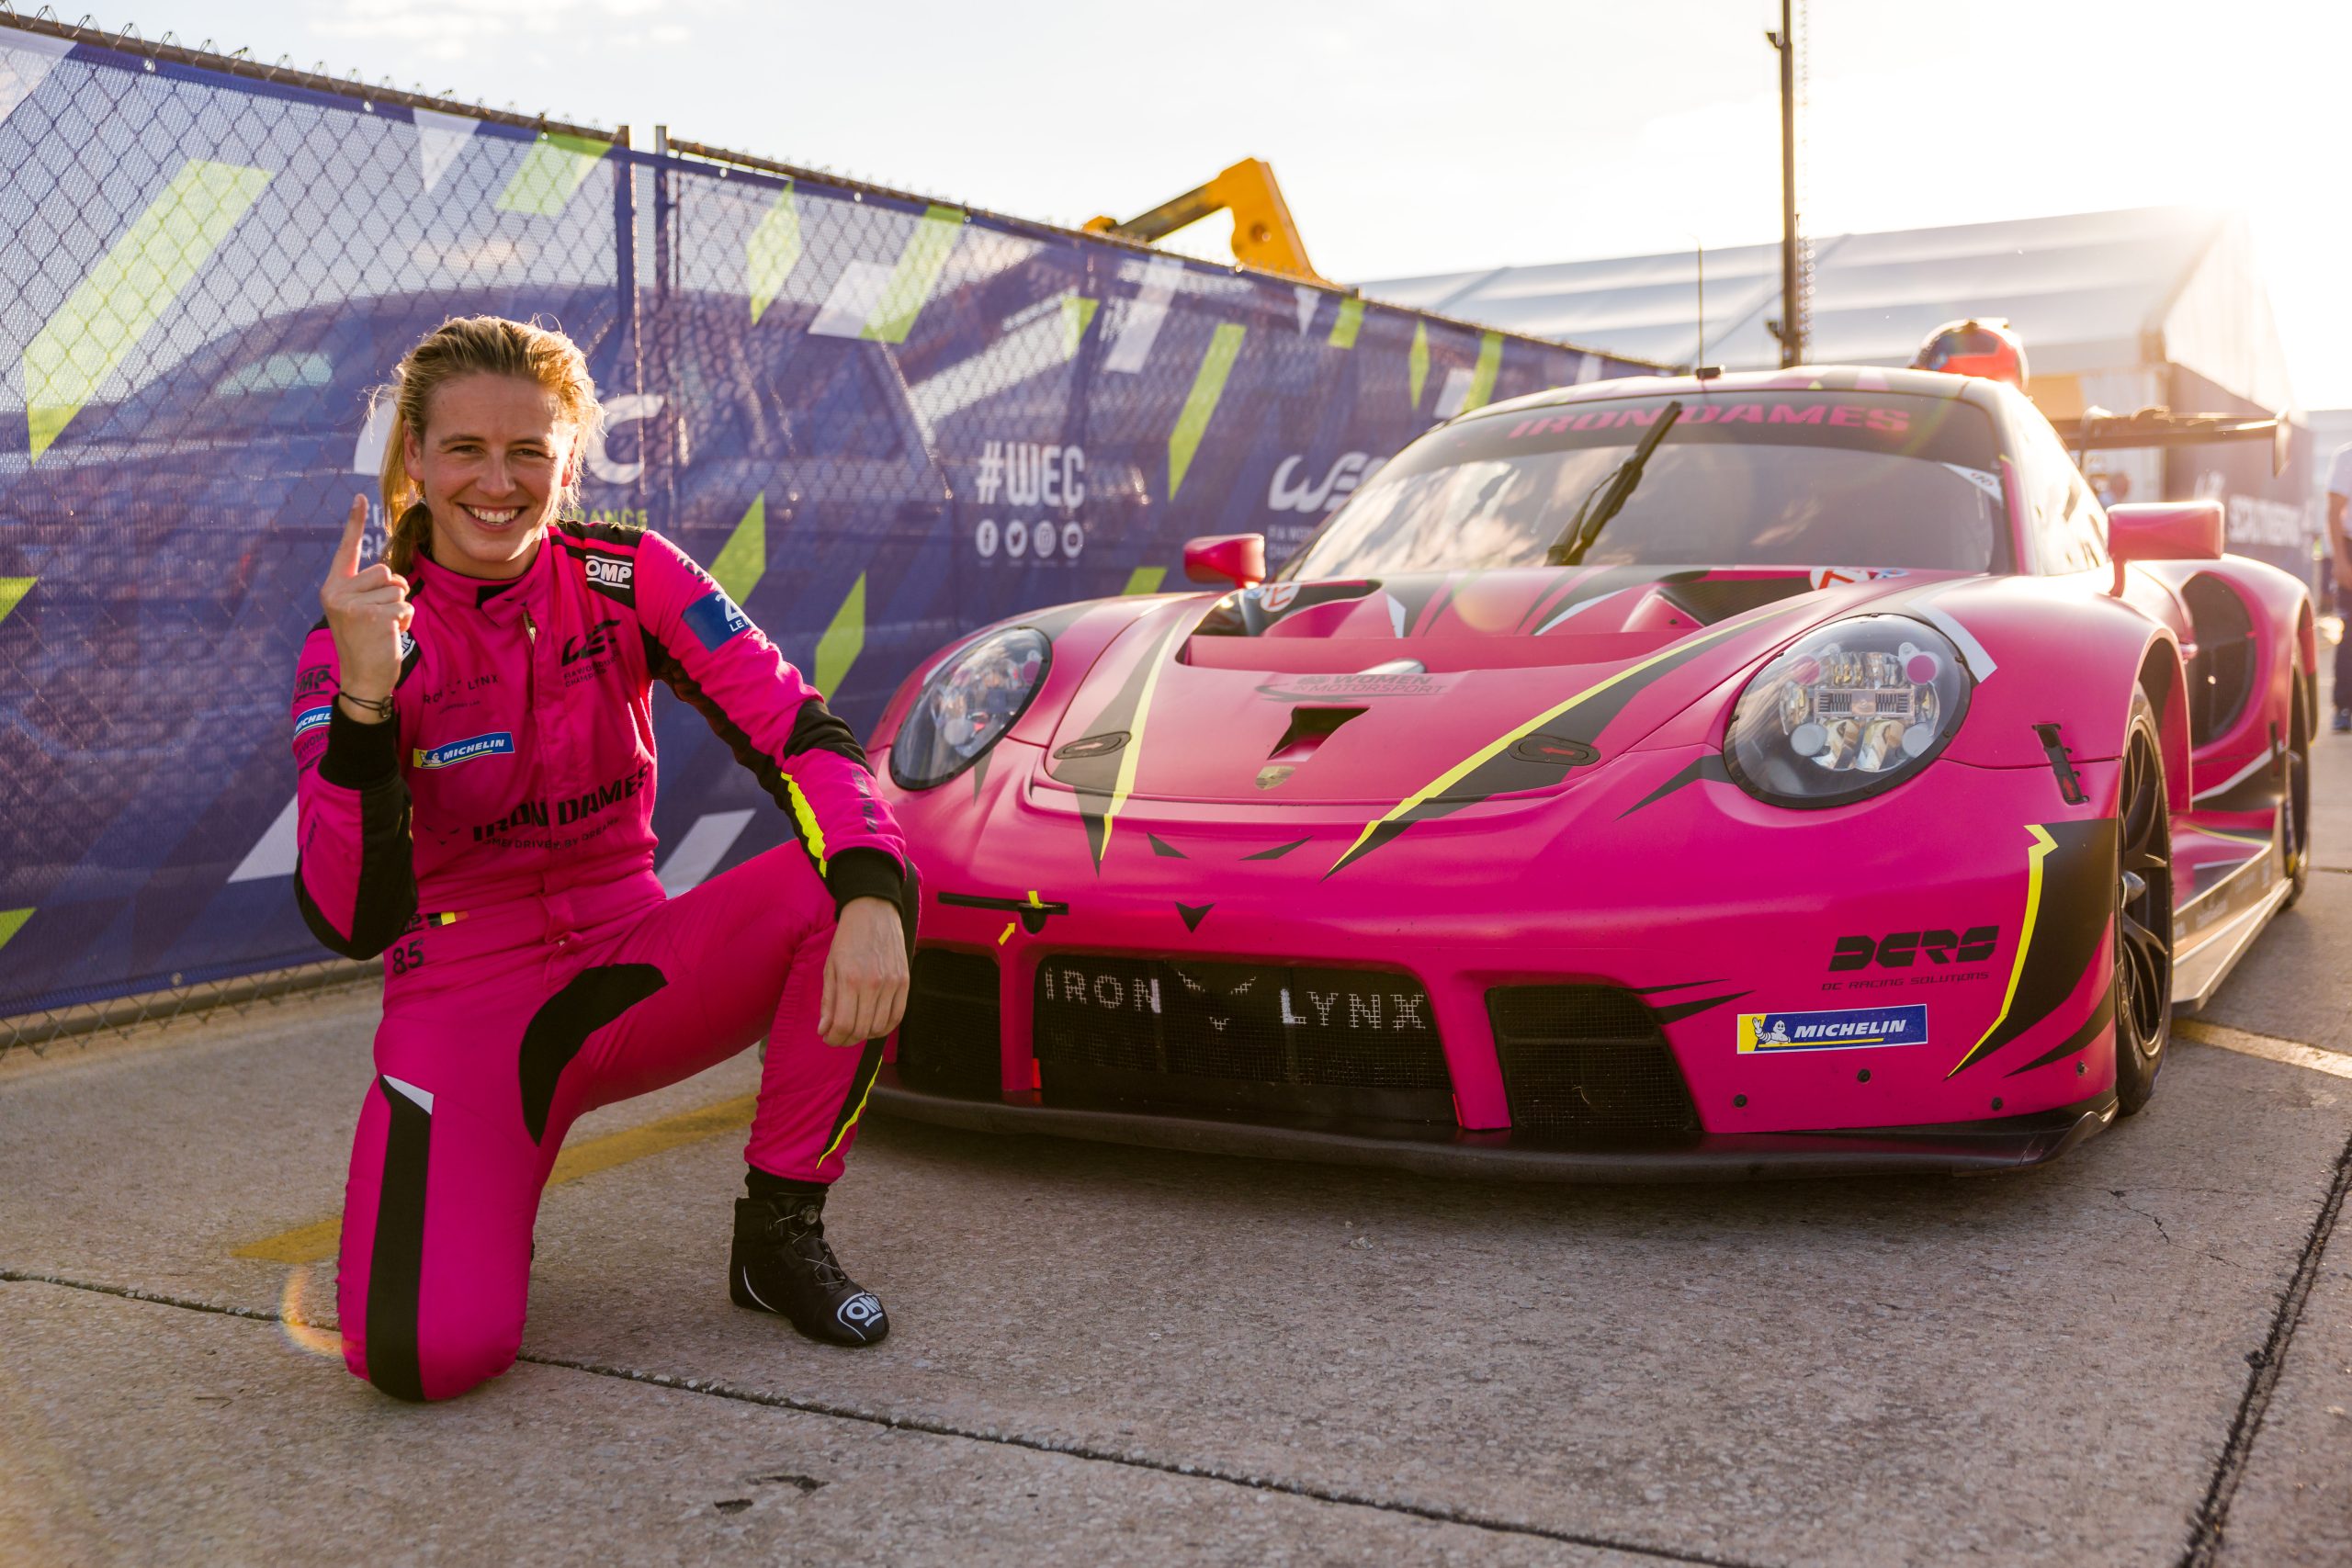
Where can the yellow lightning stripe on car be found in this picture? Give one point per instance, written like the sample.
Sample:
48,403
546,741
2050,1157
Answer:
2042,845
1126,784
811,832
1462,770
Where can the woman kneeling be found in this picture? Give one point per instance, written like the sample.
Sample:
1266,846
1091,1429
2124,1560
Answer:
475,746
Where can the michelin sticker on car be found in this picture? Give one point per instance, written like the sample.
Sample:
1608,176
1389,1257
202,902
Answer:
1841,1029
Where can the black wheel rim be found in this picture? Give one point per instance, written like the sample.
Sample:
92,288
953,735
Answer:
2144,900
2295,838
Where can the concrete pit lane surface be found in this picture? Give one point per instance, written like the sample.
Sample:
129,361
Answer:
2139,1354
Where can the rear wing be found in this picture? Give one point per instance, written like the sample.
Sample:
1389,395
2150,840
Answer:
2100,431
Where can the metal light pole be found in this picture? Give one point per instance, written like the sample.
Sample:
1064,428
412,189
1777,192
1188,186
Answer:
1699,249
1793,303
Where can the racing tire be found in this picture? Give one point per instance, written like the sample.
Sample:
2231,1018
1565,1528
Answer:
2142,979
2295,800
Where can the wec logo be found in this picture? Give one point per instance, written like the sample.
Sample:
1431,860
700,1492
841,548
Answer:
598,641
1339,481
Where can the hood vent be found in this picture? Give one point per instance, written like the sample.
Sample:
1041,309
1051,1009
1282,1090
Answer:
1713,599
1309,728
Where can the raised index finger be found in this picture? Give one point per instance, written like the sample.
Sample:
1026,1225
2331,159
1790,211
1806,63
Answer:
346,552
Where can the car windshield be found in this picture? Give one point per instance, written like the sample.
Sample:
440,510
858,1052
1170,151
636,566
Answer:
1760,478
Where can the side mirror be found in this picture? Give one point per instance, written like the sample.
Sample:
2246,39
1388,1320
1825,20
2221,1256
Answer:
2168,530
1237,558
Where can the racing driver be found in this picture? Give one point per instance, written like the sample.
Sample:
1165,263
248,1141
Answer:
476,800
1985,345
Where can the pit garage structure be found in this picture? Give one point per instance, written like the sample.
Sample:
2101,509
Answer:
2120,310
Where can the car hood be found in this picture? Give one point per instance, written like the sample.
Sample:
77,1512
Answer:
1446,687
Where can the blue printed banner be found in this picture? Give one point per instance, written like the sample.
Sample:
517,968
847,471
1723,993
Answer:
876,422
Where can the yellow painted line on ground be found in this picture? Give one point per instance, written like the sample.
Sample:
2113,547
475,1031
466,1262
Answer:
316,1242
2293,1054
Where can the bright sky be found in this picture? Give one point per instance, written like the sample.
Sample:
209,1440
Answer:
1411,138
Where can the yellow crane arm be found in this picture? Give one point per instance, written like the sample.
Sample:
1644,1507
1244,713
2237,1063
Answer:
1263,233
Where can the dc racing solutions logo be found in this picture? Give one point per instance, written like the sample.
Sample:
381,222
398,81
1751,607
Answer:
1046,482
1935,955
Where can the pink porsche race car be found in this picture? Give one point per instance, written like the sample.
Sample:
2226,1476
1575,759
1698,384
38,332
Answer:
1748,774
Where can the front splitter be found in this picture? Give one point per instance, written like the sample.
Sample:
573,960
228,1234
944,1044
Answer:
1971,1148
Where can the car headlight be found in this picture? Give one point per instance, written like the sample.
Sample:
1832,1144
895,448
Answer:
1848,712
966,704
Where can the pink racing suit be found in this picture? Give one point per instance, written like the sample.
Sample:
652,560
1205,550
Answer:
494,841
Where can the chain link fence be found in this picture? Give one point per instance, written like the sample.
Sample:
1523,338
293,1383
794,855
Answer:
879,421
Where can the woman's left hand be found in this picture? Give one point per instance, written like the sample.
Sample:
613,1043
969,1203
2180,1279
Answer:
866,974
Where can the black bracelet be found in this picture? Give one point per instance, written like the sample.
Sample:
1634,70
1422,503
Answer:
380,706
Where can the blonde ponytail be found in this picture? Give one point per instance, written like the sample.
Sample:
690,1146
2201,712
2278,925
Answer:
472,346
408,526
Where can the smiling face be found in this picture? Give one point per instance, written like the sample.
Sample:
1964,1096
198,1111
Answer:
492,460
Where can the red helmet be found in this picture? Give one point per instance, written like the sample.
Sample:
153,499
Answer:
1986,347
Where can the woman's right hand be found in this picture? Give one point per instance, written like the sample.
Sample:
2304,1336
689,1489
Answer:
366,611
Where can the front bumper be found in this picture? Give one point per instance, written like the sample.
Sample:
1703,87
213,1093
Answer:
2004,1143
1652,879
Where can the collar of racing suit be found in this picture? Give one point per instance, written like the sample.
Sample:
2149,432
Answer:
501,600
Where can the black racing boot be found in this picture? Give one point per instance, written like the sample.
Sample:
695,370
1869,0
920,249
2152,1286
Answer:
780,1263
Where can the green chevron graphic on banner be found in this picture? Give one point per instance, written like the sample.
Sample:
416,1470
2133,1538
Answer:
771,253
1208,386
11,922
1482,379
1417,363
744,562
12,592
919,268
1078,311
111,309
1145,580
1350,322
842,641
552,171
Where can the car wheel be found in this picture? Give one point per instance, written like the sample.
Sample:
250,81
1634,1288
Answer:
2295,802
2142,914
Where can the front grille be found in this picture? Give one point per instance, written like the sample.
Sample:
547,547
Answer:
1239,1037
1587,1063
948,1041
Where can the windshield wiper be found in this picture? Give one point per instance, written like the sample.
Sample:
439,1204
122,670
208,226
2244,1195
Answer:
1608,498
